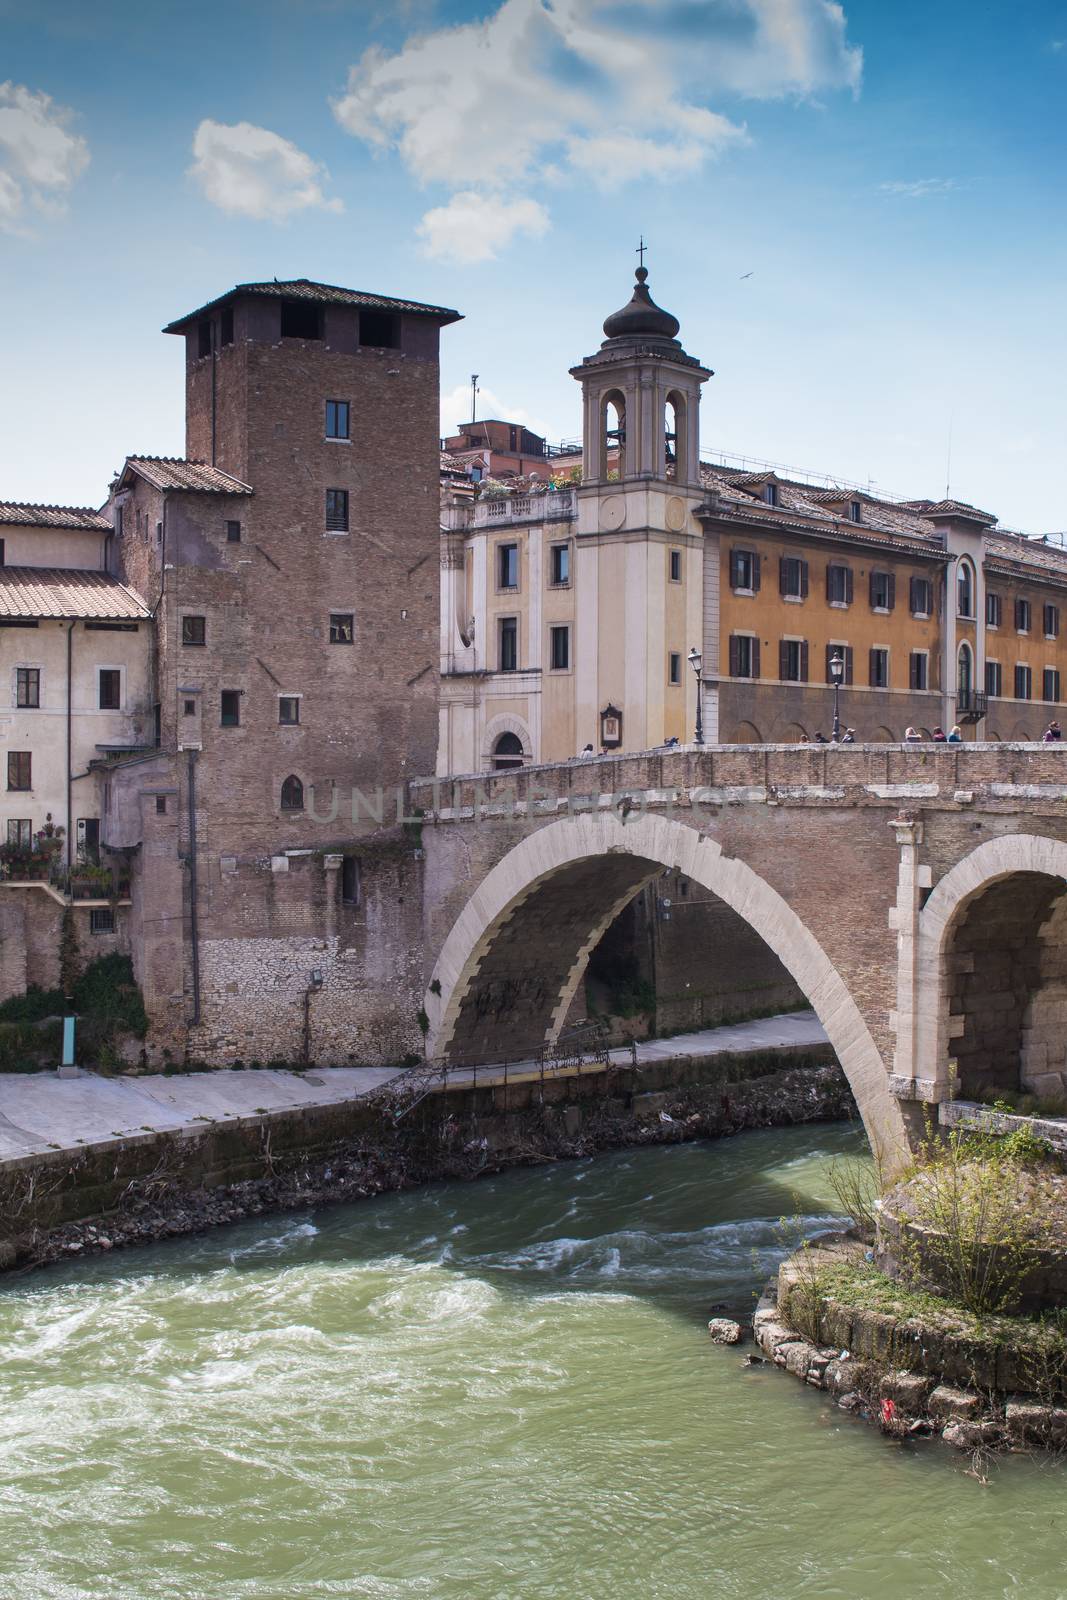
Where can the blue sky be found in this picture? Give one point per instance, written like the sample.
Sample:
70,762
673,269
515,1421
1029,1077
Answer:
891,176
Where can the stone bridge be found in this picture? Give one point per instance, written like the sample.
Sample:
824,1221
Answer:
916,895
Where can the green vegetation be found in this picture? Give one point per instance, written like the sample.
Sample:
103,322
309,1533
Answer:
106,1001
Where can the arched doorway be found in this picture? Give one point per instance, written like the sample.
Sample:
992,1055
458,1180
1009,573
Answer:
507,752
510,967
744,733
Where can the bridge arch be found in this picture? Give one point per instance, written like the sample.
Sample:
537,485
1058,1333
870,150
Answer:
992,960
565,884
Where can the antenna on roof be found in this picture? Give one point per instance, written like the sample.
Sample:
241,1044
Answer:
474,396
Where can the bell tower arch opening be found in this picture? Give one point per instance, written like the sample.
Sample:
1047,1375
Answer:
611,451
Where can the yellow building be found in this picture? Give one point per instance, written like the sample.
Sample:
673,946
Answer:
572,614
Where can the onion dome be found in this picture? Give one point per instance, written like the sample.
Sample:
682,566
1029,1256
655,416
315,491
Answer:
642,318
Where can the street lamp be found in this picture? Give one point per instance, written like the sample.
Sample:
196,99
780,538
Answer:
837,672
695,659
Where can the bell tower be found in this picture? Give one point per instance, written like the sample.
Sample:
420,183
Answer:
647,587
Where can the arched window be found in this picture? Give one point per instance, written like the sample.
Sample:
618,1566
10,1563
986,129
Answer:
613,435
507,752
292,794
964,589
674,436
964,670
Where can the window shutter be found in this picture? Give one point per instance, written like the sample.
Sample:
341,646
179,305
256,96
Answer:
1018,624
848,663
804,587
735,567
829,654
755,571
892,590
804,643
782,570
829,580
755,654
848,586
783,659
735,655
872,668
914,596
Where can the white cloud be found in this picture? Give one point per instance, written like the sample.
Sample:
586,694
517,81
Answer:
39,157
475,227
919,188
456,408
588,88
251,172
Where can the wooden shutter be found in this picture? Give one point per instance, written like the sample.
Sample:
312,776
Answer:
735,655
829,655
1018,621
804,644
872,668
829,580
783,659
915,596
803,582
735,570
848,586
848,663
783,569
892,594
755,571
755,653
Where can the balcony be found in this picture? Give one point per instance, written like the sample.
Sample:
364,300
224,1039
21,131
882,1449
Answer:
556,505
970,705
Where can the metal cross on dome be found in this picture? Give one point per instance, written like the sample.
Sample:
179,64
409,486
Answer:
641,248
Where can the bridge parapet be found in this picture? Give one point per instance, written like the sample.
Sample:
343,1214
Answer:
999,776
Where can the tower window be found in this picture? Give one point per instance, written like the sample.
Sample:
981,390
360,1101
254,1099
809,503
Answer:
194,630
230,708
161,805
337,511
301,320
226,325
676,566
341,627
292,794
379,330
350,880
337,417
233,533
203,341
674,668
288,710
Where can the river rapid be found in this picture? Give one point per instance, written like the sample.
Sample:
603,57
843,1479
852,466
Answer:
498,1389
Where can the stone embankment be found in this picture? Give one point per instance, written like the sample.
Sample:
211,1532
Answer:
157,1185
981,1387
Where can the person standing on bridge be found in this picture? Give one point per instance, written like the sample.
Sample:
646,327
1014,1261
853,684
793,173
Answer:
1052,734
911,736
955,736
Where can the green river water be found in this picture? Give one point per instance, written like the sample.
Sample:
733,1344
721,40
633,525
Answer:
488,1390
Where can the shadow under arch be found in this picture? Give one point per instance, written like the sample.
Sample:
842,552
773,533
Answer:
513,960
1020,881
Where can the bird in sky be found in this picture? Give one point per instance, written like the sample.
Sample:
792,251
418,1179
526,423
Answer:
745,275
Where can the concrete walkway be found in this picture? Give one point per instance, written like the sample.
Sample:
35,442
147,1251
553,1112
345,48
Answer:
40,1111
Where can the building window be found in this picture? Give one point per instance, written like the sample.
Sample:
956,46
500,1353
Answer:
793,660
1022,616
341,627
194,630
233,533
288,710
964,669
921,597
1051,621
300,320
230,708
190,708
838,584
676,566
674,668
845,652
110,688
337,511
292,794
507,752
101,920
28,686
19,770
337,414
744,656
855,511
1023,683
918,670
350,880
883,591
379,330
1050,684
965,590
992,609
878,676
509,644
560,558
161,805
770,494
20,833
560,649
744,571
203,337
994,679
507,566
226,325
792,577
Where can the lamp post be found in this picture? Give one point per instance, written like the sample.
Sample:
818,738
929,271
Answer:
837,672
695,659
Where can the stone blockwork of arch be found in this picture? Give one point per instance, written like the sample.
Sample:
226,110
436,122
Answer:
991,1000
505,723
514,957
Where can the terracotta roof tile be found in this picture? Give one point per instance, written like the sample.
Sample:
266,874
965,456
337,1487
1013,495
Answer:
172,472
321,294
65,592
16,511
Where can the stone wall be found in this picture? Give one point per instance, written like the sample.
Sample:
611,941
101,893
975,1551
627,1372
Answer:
31,929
